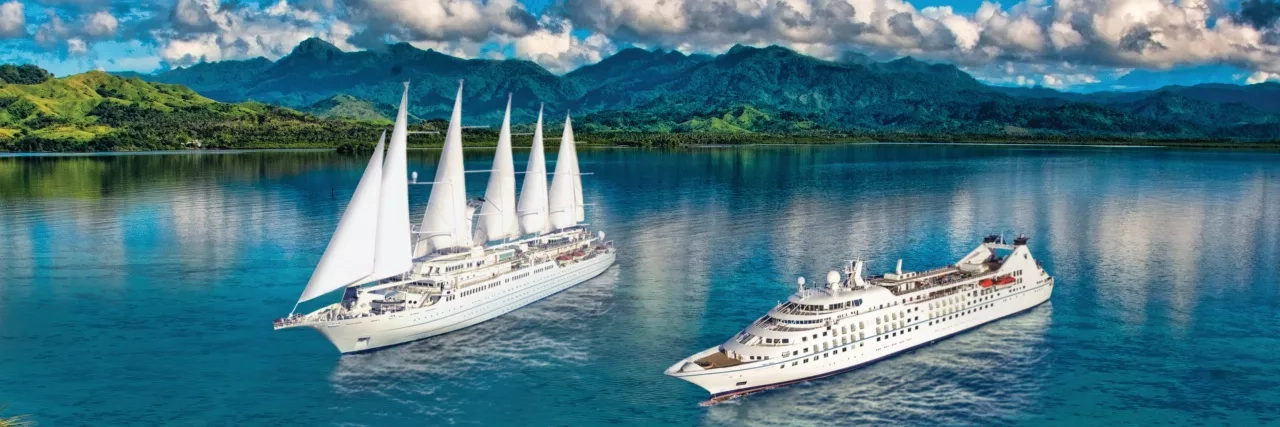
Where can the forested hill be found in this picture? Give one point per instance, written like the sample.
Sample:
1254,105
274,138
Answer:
96,111
778,90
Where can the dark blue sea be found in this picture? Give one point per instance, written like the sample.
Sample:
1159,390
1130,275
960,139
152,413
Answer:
140,290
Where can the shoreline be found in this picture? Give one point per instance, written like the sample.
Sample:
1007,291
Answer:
1224,146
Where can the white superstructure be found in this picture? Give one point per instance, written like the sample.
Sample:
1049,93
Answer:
853,321
403,285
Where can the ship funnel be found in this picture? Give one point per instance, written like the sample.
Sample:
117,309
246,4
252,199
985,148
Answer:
898,271
856,274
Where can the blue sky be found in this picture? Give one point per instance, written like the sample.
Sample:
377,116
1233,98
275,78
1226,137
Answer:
1079,45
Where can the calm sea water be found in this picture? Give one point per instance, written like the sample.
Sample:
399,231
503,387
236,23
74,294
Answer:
140,290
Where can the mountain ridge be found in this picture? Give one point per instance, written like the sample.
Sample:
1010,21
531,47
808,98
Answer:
637,90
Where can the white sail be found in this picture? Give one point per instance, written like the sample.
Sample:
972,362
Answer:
446,223
394,255
349,257
580,213
565,183
533,193
498,214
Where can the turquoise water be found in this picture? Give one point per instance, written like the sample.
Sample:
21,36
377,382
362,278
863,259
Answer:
139,290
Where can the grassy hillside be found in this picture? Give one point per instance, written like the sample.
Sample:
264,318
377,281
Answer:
96,111
352,108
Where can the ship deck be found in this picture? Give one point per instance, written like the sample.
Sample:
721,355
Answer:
936,278
717,360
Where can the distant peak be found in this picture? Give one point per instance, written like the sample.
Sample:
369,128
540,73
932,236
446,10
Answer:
737,49
852,57
315,45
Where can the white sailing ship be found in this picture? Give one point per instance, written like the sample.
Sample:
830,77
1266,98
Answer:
854,321
403,284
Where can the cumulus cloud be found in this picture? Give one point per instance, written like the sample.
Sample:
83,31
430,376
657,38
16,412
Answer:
440,20
13,20
206,30
75,37
555,47
76,46
1058,36
1262,76
1116,33
101,24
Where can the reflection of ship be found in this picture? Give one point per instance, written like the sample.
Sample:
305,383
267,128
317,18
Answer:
449,279
856,321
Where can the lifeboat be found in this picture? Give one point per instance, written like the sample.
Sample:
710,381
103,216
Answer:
1005,280
986,283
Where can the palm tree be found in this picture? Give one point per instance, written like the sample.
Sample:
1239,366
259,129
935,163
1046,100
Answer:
14,421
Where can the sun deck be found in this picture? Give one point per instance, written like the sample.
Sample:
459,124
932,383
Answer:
717,360
936,278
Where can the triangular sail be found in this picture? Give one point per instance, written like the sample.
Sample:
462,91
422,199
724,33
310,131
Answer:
498,213
580,213
446,223
566,183
349,257
533,193
394,252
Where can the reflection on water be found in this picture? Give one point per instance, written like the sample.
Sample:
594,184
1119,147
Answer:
137,289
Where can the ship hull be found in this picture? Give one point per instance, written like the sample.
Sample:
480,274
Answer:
753,377
375,332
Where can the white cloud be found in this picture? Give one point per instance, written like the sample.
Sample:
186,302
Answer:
101,24
1262,76
202,30
555,47
442,20
13,20
1113,33
77,47
1110,34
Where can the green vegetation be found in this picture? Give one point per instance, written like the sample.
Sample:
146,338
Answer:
769,91
25,74
320,96
351,108
98,112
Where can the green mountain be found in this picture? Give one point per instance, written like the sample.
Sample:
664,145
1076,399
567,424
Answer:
779,90
316,70
96,111
1261,96
352,108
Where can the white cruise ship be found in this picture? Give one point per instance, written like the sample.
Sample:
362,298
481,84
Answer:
854,321
458,268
